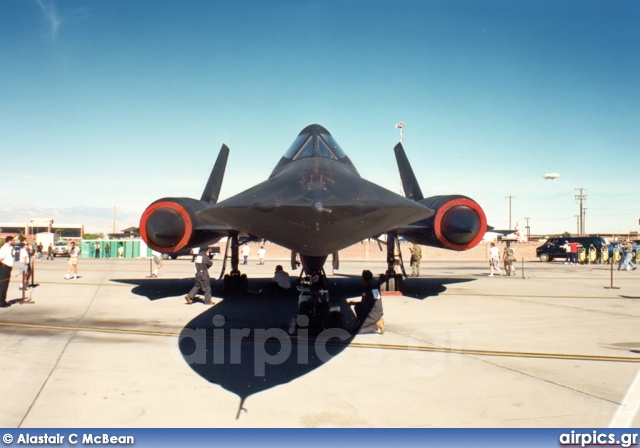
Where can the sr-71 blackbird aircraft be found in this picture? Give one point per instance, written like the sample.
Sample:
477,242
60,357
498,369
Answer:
314,203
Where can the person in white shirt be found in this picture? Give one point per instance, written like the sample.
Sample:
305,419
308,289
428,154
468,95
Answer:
261,253
74,252
494,259
6,265
246,250
281,283
24,263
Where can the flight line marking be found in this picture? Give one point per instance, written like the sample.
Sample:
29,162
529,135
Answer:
352,344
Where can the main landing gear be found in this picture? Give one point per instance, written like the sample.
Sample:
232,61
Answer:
234,282
391,280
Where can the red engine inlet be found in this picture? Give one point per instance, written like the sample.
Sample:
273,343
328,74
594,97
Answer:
166,226
460,224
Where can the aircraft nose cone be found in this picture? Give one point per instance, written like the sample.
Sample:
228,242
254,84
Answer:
165,227
460,224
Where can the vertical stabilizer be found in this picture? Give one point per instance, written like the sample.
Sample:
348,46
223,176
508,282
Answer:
212,190
409,181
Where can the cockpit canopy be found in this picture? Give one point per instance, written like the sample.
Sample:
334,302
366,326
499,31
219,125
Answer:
314,141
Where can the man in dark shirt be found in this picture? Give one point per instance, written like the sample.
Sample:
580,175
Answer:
203,282
369,309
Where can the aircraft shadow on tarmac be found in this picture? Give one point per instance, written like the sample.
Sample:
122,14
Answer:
241,343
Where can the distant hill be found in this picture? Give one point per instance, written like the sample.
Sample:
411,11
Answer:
95,219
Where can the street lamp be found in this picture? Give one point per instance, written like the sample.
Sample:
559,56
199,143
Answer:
401,127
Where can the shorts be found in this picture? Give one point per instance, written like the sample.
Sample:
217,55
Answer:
73,261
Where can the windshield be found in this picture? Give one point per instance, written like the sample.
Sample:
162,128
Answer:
314,141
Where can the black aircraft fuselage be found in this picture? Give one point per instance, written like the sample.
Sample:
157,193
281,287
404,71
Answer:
314,203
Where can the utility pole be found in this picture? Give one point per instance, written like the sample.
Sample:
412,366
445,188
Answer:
581,198
509,197
577,224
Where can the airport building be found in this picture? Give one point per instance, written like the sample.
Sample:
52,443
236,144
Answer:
34,226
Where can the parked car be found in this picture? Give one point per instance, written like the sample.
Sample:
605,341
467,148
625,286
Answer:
60,249
553,247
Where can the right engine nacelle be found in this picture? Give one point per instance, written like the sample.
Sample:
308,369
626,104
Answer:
459,223
171,224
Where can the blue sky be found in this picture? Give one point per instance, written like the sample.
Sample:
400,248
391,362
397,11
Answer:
118,102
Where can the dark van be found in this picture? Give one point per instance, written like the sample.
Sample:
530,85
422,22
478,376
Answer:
552,248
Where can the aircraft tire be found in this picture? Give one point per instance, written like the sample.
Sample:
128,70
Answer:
382,283
391,284
399,281
305,309
243,283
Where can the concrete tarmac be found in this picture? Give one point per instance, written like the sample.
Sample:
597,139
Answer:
115,349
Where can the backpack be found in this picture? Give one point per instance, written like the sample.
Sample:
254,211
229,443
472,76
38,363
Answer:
510,252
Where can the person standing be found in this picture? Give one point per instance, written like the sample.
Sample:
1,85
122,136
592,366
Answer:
157,260
50,252
97,248
416,256
120,251
494,259
107,251
628,253
40,247
567,250
203,282
246,250
74,252
509,256
574,252
24,264
261,253
618,254
7,257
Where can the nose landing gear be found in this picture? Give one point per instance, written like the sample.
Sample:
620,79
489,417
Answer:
392,279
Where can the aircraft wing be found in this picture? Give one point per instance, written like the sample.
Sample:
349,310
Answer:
315,208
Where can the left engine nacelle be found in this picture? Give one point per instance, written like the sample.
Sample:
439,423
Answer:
171,224
458,224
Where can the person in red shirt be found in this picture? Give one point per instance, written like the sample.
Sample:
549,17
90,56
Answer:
574,252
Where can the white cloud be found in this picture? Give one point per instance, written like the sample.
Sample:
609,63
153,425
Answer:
51,16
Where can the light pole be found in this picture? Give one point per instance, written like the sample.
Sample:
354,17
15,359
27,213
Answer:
509,197
401,127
